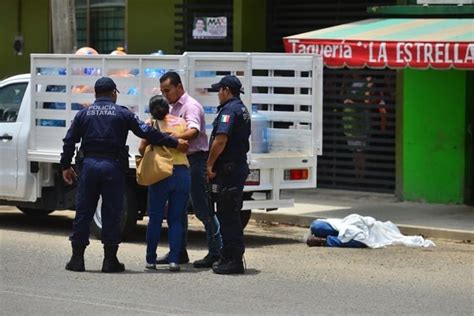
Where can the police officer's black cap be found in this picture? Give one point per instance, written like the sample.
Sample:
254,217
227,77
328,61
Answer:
230,81
105,84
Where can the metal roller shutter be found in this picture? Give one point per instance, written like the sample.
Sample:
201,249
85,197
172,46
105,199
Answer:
358,137
344,165
289,17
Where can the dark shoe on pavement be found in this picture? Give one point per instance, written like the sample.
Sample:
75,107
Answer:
174,267
314,241
233,266
183,258
111,263
76,263
150,266
206,262
216,264
162,259
220,261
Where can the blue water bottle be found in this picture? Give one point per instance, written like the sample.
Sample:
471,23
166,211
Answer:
259,135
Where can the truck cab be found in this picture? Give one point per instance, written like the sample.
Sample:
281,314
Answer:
14,132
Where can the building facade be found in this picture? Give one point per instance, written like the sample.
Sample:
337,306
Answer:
420,149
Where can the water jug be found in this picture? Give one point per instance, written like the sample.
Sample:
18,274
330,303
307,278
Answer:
155,72
259,135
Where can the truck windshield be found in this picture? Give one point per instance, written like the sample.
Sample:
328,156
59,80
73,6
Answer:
10,101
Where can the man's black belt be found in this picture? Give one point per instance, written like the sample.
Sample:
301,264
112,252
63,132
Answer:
202,152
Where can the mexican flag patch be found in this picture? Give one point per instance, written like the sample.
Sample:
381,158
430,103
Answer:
225,118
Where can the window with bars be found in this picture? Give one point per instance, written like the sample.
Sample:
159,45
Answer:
100,24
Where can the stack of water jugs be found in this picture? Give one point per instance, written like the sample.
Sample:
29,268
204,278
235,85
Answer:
259,132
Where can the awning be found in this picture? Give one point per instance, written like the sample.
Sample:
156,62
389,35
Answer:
393,43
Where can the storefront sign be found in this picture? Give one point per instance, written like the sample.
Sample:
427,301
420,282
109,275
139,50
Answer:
379,54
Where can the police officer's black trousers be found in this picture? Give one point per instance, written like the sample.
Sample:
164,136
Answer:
99,177
229,204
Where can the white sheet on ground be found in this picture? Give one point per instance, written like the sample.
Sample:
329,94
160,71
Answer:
373,233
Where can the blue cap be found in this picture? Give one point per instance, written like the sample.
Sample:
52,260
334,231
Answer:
105,84
230,81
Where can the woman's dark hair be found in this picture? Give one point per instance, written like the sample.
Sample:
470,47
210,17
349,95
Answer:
159,107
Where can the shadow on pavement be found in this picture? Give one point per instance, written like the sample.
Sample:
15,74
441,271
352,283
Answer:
60,224
54,224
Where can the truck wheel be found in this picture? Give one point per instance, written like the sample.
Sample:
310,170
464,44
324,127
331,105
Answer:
245,217
245,214
35,212
129,216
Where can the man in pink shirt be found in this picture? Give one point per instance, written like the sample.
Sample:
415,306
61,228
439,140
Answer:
183,105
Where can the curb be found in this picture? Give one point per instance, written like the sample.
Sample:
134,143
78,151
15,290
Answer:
443,233
429,232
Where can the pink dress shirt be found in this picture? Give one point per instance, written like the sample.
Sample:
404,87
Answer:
193,113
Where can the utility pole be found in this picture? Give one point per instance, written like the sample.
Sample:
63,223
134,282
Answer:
63,20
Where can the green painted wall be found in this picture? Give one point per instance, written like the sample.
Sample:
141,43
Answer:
434,132
151,26
250,25
469,174
35,30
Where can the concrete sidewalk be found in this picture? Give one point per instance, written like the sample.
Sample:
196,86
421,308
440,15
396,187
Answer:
430,220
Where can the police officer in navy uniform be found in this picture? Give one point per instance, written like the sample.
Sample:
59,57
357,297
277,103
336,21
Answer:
227,169
102,129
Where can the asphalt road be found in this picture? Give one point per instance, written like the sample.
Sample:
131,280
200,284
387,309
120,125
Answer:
284,276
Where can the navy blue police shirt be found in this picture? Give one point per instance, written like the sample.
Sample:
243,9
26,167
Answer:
233,119
103,128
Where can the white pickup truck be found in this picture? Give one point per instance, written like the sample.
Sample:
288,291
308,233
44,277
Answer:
36,110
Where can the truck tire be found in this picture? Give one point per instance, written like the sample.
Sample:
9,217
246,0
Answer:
245,217
129,216
245,214
35,212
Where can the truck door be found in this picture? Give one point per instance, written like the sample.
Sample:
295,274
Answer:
11,96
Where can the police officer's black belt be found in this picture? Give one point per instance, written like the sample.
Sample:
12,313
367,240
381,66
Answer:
94,154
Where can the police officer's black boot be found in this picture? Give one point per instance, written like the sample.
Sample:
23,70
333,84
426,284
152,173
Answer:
233,265
111,263
77,260
222,259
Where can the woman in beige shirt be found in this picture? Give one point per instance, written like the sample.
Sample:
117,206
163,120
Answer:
171,193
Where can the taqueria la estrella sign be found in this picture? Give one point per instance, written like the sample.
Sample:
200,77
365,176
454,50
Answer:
381,54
